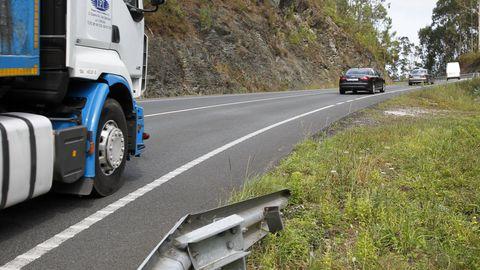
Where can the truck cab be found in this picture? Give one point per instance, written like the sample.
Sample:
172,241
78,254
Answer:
71,69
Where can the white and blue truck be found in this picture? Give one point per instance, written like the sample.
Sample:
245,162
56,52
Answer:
70,71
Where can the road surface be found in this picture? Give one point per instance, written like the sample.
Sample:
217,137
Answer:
201,149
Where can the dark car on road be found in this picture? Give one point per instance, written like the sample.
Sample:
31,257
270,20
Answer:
362,79
419,76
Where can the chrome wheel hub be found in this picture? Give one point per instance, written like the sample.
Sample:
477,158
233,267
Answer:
111,147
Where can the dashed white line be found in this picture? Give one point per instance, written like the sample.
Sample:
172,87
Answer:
43,248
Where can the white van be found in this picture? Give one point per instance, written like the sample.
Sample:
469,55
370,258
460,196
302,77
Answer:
453,71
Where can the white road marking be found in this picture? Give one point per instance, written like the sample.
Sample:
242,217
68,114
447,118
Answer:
180,98
226,104
43,248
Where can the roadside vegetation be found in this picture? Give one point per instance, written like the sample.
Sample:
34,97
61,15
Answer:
470,62
396,187
452,33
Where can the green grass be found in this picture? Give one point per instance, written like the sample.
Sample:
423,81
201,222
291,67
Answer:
403,193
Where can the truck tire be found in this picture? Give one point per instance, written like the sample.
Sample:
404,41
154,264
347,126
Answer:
111,149
342,91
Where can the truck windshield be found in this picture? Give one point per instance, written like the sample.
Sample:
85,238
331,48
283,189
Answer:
133,3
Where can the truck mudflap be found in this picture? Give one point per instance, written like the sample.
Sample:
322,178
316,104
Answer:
140,131
19,38
26,157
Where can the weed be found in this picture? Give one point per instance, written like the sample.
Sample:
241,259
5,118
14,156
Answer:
302,34
206,19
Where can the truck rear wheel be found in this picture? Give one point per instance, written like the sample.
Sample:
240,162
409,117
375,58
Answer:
111,149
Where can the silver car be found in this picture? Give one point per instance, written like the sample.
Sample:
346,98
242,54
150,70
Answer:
420,76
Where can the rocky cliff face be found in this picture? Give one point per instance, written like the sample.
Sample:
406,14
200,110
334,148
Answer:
231,46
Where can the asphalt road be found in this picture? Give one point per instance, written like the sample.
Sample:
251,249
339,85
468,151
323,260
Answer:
201,149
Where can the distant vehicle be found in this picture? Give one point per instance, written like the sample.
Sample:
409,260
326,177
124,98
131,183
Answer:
362,79
420,75
453,71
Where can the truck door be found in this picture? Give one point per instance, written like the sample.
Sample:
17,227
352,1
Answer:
128,39
94,23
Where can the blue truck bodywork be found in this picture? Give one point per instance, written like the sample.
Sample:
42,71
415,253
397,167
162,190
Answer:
19,38
113,80
95,94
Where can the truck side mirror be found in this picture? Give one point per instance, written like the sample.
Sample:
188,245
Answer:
157,2
138,13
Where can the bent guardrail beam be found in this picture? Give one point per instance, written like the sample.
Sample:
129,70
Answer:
218,238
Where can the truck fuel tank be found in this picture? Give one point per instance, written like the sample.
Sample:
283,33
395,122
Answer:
26,157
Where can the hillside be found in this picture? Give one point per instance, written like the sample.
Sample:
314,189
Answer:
231,46
470,62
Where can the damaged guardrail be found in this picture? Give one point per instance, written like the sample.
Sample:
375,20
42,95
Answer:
218,238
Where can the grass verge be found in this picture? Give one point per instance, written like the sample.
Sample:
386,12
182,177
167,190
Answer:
397,192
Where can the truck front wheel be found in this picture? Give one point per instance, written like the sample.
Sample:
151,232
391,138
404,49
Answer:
111,149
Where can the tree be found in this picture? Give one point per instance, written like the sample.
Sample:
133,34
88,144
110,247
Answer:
369,23
406,59
452,33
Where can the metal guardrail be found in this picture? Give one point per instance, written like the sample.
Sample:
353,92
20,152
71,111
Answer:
470,75
218,238
462,76
444,78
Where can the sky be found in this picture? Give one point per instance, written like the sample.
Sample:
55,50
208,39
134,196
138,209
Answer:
410,15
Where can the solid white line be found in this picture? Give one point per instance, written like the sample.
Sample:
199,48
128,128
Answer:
180,98
43,248
226,104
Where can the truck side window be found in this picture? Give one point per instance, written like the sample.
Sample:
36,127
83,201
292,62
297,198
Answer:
133,3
